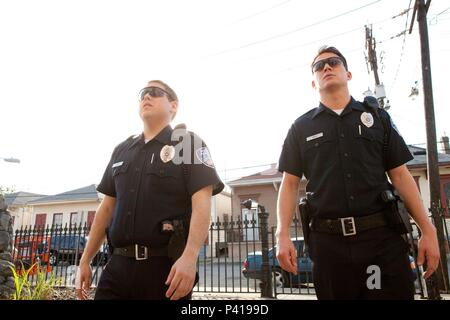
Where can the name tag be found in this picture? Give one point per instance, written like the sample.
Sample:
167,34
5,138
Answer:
117,164
316,136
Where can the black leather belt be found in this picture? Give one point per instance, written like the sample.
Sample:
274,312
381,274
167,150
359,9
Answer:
349,226
140,252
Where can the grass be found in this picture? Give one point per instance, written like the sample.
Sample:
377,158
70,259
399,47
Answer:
42,289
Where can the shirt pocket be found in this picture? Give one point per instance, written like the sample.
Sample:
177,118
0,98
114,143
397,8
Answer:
166,177
319,152
123,168
370,145
119,176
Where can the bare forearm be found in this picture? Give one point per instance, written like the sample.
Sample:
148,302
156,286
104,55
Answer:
406,186
97,233
200,219
287,200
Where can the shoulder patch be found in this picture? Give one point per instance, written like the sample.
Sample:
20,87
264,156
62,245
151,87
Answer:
204,156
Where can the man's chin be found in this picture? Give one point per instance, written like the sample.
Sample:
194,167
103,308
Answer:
147,115
332,86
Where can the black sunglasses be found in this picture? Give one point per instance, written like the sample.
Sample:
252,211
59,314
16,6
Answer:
155,92
332,62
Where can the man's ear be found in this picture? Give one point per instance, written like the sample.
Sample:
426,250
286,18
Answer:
313,84
349,75
174,105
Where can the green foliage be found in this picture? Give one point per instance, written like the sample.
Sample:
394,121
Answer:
39,288
5,190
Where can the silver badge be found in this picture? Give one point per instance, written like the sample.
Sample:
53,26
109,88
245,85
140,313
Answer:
367,119
167,153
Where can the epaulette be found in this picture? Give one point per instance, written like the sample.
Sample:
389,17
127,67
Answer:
134,136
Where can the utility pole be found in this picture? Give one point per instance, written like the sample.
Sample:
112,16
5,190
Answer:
371,45
440,277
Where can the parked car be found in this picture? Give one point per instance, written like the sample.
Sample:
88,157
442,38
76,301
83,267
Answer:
252,267
68,249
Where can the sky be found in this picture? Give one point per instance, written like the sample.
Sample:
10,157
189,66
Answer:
70,73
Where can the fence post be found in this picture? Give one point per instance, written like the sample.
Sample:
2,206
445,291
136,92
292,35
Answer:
266,284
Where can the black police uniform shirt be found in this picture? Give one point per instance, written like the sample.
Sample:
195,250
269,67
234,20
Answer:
342,158
149,189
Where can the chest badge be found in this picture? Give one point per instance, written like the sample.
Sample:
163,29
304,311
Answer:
167,153
367,119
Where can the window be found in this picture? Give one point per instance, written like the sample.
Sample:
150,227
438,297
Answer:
250,224
90,218
445,193
57,219
74,219
416,179
40,220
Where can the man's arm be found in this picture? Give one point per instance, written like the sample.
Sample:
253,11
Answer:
428,244
97,234
287,200
102,219
182,275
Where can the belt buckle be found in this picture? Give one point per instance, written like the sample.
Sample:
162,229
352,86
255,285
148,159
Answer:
136,252
346,223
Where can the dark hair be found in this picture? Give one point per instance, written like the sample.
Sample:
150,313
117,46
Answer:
172,95
330,49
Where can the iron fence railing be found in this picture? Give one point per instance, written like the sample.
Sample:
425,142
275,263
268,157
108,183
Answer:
231,261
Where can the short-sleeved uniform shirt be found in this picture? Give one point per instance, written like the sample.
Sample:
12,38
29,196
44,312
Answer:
150,187
343,159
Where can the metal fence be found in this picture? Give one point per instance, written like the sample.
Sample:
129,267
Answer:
233,260
238,257
55,250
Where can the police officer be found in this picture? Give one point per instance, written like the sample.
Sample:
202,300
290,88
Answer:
155,192
339,148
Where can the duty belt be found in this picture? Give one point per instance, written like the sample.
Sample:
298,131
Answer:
141,252
349,226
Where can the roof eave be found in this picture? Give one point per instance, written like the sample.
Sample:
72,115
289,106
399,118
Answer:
63,202
253,182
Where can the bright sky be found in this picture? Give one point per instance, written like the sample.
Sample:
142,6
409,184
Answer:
70,72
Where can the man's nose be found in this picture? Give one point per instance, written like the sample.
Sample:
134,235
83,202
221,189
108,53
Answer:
327,67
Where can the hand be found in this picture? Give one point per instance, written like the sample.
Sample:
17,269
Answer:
83,281
429,249
181,278
287,255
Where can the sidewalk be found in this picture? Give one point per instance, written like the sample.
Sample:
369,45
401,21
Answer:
249,296
257,296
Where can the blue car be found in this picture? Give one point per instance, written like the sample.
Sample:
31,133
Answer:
252,267
68,248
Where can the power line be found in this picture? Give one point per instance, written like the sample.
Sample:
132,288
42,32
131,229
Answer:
261,12
441,12
309,64
62,195
302,45
403,48
424,143
292,31
273,53
249,167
